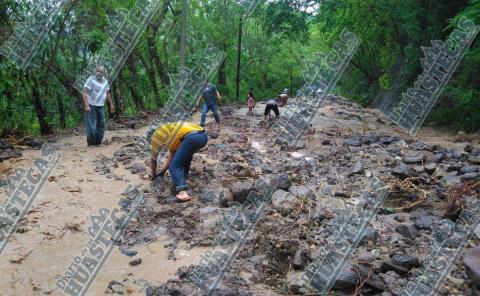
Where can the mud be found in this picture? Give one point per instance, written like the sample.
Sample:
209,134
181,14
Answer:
344,149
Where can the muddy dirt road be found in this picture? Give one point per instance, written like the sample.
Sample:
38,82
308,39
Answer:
345,148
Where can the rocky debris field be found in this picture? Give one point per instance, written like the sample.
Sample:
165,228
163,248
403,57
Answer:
9,150
344,149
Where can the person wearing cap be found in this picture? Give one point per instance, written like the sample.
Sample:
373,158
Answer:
182,140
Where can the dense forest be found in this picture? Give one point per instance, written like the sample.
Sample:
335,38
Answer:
266,50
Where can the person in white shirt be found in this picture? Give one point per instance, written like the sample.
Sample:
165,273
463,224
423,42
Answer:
95,92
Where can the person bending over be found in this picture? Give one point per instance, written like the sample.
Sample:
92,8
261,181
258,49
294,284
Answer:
182,141
271,105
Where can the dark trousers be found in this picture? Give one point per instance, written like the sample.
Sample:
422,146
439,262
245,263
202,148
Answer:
180,165
205,109
95,125
268,108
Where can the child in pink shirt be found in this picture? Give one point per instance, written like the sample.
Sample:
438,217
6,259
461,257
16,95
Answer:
250,102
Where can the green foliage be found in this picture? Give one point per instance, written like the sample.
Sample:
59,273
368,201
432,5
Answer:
276,40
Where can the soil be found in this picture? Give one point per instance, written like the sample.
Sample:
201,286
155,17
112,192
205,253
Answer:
344,149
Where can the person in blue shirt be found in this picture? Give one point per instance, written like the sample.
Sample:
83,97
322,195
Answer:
210,95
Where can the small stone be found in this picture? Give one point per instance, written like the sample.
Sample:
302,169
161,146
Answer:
414,159
419,169
431,168
454,167
344,194
400,171
300,259
295,284
129,253
120,153
423,222
406,261
387,140
450,181
116,287
357,169
136,262
389,160
468,169
366,257
283,201
389,266
208,197
213,134
470,177
371,139
439,157
346,281
354,141
407,231
400,217
240,191
456,281
301,191
225,197
8,154
5,145
282,182
474,159
371,234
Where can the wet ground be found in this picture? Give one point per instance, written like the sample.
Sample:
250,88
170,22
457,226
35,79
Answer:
346,147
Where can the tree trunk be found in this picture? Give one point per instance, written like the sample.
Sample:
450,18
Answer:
222,75
123,90
45,128
239,55
118,100
151,75
132,86
61,111
155,58
9,97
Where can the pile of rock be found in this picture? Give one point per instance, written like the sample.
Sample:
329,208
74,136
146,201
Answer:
8,151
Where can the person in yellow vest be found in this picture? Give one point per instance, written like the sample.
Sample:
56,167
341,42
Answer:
182,140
